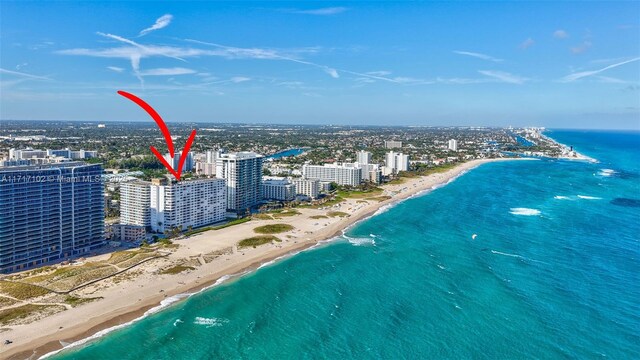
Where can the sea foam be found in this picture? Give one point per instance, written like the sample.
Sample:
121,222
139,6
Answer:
209,322
524,211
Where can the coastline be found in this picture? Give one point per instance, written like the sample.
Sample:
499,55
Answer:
118,307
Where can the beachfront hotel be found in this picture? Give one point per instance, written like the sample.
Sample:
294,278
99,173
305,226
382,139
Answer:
49,212
280,189
363,157
307,187
343,174
135,202
243,174
188,203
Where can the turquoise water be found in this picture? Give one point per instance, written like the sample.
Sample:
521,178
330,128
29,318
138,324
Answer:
554,272
286,153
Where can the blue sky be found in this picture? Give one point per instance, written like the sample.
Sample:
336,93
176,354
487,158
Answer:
554,64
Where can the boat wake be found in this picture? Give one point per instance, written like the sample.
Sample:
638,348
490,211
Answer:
524,211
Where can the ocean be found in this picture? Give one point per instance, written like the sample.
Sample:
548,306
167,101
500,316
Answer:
553,272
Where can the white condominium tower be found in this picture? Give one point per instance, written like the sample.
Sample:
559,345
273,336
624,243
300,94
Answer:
397,162
342,174
186,203
364,157
135,200
243,173
453,145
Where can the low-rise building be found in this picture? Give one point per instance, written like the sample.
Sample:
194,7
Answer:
280,189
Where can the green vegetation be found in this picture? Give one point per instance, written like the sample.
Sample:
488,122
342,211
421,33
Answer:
5,301
359,193
278,214
68,277
316,217
176,269
262,217
76,301
337,214
257,240
12,315
273,229
230,223
22,291
379,198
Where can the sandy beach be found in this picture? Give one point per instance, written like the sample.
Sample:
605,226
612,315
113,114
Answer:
127,300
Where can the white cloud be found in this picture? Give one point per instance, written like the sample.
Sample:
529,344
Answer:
579,49
478,55
560,34
162,22
504,76
321,11
583,74
167,71
21,74
527,44
115,68
239,79
379,73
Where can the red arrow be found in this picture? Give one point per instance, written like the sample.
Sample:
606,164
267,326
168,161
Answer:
167,136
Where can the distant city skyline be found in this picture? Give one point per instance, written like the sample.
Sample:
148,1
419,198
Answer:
558,65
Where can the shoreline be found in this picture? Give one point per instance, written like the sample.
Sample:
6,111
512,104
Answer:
114,312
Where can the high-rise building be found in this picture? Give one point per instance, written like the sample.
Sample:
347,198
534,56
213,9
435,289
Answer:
135,200
278,189
397,162
371,173
243,173
392,144
343,174
49,212
364,157
453,145
307,187
186,203
175,161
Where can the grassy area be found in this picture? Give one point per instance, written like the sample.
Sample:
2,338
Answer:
284,213
230,223
337,214
262,217
76,301
380,198
22,291
257,240
317,217
13,315
5,301
176,269
68,277
359,194
273,229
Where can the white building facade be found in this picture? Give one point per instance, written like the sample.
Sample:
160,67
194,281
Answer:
280,189
453,145
186,203
135,202
343,174
397,162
